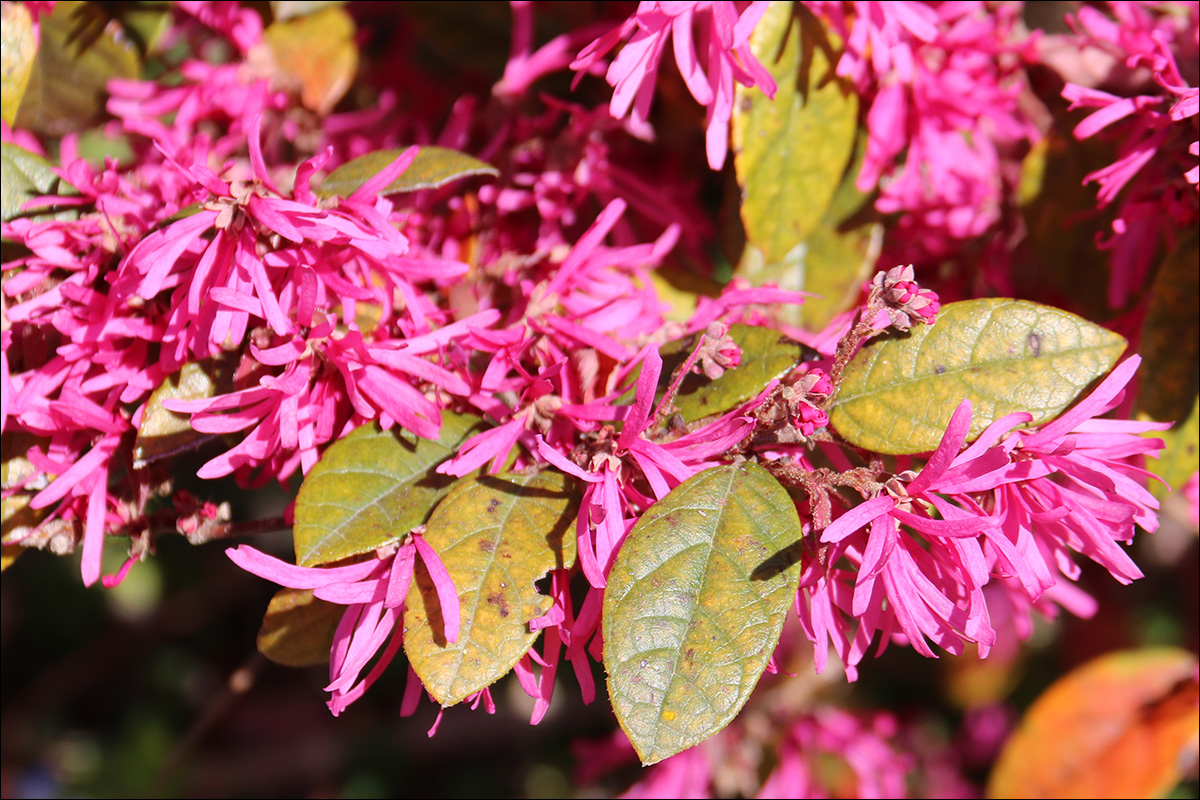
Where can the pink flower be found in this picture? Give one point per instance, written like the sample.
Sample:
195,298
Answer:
723,56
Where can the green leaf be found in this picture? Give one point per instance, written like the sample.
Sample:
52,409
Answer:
790,153
433,167
371,488
24,176
164,433
18,48
496,535
290,9
1170,343
316,55
898,393
695,604
766,354
1180,458
78,55
298,629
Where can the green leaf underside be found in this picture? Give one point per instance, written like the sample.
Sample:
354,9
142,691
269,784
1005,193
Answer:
496,534
298,629
898,393
766,354
77,56
433,167
695,604
371,488
162,432
791,152
24,176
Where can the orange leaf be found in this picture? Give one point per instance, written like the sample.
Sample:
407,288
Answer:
1123,725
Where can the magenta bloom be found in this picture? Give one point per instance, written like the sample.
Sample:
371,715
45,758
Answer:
712,50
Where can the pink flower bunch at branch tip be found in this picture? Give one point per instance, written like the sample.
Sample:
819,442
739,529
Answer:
711,42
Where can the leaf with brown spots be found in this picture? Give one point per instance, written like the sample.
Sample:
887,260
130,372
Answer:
496,535
1122,725
898,393
695,604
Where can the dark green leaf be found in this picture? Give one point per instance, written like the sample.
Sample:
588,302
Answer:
298,629
18,48
1170,343
496,535
371,488
898,393
695,604
433,167
791,152
79,53
164,433
24,176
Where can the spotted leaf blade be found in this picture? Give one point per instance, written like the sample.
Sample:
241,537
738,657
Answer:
371,488
898,393
694,606
496,535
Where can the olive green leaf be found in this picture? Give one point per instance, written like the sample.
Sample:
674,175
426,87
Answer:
371,488
433,167
898,393
1170,343
315,54
1180,458
766,354
790,153
298,629
694,606
163,432
79,53
496,535
18,47
24,176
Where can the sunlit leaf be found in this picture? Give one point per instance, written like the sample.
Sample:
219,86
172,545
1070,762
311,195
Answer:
164,433
695,604
496,535
1122,725
433,167
1180,458
8,554
298,629
24,176
80,52
19,478
1170,343
18,48
766,354
289,9
371,488
681,290
898,393
791,152
316,54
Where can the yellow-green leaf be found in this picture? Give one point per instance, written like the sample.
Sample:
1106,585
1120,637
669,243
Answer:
1122,725
164,433
24,176
371,488
898,393
1170,343
315,54
496,535
766,354
694,606
290,9
298,629
433,167
790,153
18,47
1180,458
79,53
